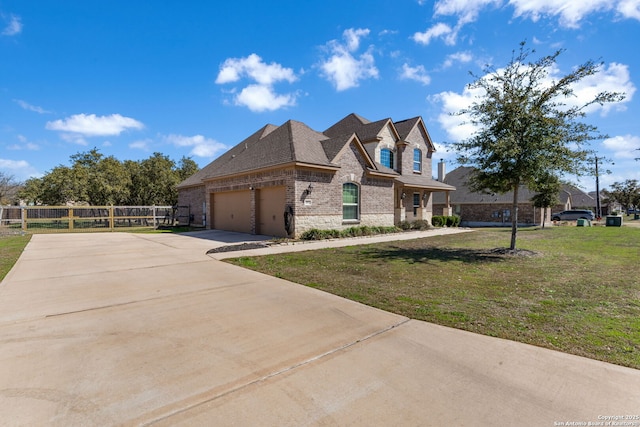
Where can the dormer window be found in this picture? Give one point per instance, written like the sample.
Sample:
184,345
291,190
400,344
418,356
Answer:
386,158
417,160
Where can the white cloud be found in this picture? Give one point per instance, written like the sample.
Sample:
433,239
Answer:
20,169
92,125
461,57
24,144
623,146
418,74
141,144
233,69
438,30
260,96
571,12
452,102
201,146
353,36
466,10
25,105
568,12
342,68
13,27
614,78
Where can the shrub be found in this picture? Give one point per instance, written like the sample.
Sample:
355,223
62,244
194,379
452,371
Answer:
452,221
316,234
420,224
438,220
444,220
404,225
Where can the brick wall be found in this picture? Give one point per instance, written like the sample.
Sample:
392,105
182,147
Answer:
494,213
193,197
322,208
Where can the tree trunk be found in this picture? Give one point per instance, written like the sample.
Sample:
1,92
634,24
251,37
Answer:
514,218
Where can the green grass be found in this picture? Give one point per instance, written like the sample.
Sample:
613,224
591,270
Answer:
10,249
579,294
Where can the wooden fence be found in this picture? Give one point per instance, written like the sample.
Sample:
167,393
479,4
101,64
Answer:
47,219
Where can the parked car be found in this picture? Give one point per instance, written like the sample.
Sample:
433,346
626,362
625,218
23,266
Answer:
632,211
573,215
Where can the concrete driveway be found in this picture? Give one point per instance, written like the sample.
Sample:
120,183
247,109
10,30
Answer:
146,329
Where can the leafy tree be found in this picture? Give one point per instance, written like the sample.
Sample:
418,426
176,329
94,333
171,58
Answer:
626,193
525,128
99,181
154,181
31,191
186,168
61,185
548,187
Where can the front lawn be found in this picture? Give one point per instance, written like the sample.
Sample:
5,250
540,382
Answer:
11,248
579,293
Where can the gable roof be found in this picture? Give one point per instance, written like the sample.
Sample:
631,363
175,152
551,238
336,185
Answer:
405,127
459,178
579,198
295,143
346,125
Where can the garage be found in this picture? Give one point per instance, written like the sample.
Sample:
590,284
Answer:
270,215
232,211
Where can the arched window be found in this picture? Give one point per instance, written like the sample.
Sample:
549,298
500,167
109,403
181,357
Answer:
386,158
350,202
417,160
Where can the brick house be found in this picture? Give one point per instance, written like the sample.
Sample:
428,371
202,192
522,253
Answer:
482,209
284,180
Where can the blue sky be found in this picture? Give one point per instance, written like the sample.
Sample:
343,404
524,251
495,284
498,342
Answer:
195,78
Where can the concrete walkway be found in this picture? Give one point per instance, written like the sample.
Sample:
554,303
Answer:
145,329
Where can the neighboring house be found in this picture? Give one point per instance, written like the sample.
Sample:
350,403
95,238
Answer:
492,209
284,180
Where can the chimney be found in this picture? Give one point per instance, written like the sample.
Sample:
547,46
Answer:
441,170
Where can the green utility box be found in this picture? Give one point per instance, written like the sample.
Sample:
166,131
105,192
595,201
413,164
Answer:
583,223
614,221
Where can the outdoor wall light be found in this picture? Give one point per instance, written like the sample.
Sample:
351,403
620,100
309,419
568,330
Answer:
403,195
308,190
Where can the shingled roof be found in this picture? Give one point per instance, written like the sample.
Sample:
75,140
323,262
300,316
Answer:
292,142
295,142
404,128
463,195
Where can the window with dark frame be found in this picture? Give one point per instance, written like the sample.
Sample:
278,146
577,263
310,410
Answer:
417,160
386,158
350,202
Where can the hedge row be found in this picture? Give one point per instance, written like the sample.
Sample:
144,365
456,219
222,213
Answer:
316,234
419,224
445,221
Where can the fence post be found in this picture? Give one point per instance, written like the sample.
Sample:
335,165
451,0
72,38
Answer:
155,224
111,220
23,218
70,213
